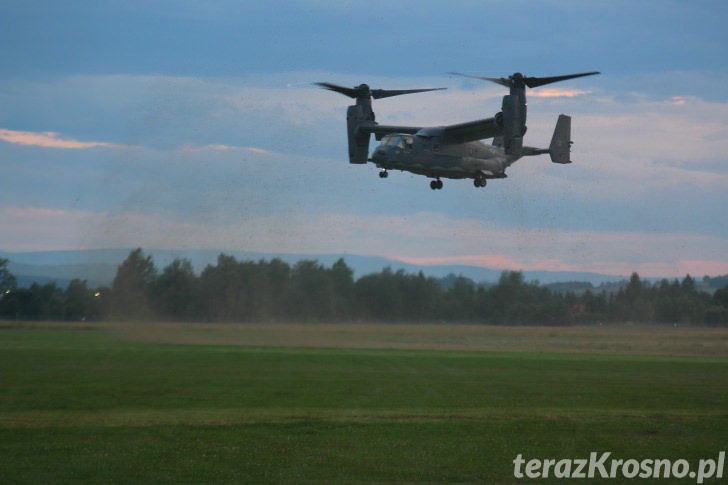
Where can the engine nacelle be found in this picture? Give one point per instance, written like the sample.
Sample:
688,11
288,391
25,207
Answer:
358,142
514,124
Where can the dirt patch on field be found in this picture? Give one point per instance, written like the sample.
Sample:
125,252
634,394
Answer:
649,340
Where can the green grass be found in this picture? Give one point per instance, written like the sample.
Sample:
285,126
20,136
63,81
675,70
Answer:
81,405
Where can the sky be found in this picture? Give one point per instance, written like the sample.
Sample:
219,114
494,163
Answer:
195,124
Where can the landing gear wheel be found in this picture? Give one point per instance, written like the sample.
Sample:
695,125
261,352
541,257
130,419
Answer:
383,174
436,184
480,182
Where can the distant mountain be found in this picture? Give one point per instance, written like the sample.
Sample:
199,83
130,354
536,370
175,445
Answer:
96,274
98,266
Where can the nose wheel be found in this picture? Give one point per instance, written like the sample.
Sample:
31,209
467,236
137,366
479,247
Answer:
383,174
436,184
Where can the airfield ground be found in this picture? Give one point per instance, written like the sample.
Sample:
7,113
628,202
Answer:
200,403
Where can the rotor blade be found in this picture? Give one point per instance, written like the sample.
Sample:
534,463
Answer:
350,92
534,82
531,82
498,80
364,91
388,93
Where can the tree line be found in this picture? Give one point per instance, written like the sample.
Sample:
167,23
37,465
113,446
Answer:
259,291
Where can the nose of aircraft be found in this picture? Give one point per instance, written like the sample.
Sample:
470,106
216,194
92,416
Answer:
379,154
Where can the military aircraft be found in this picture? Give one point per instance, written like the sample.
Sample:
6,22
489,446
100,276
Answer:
452,151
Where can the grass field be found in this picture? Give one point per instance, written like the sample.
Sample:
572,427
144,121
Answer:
172,403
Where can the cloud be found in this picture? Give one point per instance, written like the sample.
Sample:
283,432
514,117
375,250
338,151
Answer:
557,93
500,246
47,139
190,148
421,238
671,269
252,164
27,228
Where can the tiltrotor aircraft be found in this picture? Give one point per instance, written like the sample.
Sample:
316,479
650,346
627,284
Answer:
453,151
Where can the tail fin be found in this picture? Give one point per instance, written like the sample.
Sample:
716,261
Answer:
560,148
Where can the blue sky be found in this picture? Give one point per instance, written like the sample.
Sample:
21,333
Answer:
194,124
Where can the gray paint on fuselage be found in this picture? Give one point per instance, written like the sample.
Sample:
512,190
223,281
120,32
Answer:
431,157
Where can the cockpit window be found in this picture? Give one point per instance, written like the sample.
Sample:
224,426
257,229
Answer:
393,140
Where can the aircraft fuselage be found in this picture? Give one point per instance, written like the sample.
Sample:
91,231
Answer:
434,158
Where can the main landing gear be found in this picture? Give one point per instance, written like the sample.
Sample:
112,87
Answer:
436,184
480,182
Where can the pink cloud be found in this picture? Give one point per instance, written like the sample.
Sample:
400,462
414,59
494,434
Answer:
395,237
504,262
696,268
46,139
557,93
189,148
496,261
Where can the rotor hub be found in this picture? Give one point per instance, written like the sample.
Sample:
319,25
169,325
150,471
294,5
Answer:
363,91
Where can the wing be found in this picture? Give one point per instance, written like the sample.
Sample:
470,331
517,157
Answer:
472,130
380,130
460,133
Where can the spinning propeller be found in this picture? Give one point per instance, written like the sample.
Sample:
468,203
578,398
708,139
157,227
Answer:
518,80
364,91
